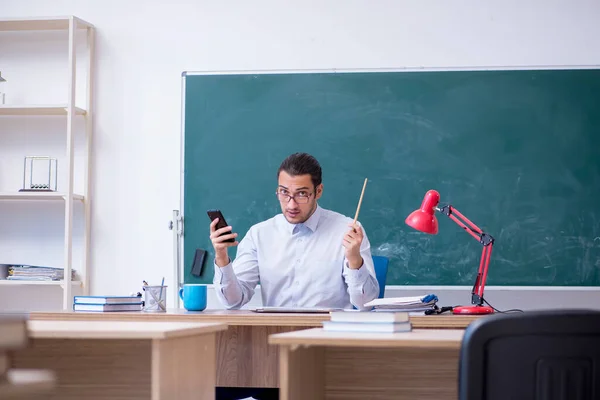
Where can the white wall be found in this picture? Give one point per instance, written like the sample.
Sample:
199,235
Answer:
144,45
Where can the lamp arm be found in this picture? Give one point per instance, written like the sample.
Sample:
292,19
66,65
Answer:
485,239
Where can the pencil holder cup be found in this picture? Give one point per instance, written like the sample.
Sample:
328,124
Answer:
155,298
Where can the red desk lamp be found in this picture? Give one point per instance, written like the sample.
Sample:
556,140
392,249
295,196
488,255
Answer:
424,220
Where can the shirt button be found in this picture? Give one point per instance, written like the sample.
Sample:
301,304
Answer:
297,283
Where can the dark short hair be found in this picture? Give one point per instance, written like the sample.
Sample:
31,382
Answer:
302,164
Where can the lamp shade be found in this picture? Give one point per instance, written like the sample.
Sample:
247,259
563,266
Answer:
424,219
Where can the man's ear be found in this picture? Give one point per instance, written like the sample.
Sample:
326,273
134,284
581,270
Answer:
319,191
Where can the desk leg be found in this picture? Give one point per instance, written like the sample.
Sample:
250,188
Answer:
302,373
184,368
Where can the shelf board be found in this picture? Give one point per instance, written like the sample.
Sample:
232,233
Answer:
41,24
60,109
6,282
36,196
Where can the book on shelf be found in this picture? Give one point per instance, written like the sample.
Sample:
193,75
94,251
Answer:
384,327
108,307
107,299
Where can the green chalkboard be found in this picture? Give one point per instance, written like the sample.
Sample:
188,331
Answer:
517,152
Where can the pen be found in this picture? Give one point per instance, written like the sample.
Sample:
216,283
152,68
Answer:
162,284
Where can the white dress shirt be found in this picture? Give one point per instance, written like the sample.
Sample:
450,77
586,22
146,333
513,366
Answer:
298,265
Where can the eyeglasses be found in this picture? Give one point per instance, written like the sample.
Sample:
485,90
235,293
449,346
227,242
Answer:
299,198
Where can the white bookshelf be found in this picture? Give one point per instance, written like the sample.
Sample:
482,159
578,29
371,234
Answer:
8,283
41,110
35,196
43,24
70,113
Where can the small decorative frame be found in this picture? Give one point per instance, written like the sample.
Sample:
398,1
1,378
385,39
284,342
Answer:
43,177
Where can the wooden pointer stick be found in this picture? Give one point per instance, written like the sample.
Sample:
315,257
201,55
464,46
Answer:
360,202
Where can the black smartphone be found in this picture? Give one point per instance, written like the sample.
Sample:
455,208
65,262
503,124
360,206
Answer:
212,214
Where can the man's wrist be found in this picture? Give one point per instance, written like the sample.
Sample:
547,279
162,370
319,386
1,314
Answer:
222,261
355,262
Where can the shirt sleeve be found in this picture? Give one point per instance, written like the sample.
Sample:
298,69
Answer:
235,283
362,282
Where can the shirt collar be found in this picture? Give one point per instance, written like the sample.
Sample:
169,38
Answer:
311,223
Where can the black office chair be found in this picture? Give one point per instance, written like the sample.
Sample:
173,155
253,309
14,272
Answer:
537,355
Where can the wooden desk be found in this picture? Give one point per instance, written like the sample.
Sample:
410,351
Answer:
246,318
244,357
124,360
317,365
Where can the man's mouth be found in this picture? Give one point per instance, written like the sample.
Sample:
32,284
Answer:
293,214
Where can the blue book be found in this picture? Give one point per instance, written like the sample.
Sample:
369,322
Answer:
107,299
107,307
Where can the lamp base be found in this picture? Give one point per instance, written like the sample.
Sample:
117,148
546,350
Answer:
472,310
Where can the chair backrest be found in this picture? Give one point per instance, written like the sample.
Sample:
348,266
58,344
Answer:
381,268
542,355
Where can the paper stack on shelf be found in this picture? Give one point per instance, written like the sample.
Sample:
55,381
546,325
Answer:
36,273
404,304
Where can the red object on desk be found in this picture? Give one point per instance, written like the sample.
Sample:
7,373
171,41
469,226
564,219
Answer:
424,220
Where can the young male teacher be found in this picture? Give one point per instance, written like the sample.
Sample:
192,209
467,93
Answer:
306,256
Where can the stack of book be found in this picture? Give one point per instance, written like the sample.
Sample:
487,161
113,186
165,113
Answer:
357,321
107,303
13,336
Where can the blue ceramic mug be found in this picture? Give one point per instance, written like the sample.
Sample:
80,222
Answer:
193,296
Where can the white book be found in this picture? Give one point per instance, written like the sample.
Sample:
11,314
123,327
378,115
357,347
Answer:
368,316
367,327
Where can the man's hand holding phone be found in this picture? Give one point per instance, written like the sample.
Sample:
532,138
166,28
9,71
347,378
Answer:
221,237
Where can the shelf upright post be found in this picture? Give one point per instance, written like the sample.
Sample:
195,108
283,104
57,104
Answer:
88,164
68,242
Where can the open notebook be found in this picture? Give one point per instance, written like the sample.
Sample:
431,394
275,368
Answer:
317,310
